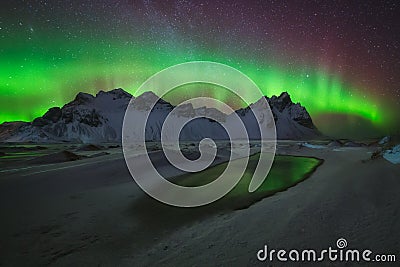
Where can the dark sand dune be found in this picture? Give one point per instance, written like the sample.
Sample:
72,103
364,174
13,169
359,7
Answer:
353,144
90,147
62,156
335,143
99,154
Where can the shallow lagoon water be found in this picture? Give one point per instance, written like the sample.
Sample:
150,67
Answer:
286,172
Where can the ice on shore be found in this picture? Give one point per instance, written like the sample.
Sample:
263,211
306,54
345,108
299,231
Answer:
393,155
384,140
313,146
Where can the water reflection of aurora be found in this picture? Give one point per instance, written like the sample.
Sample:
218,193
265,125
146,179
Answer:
286,172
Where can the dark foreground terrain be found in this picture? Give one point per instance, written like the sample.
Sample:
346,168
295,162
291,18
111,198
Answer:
80,206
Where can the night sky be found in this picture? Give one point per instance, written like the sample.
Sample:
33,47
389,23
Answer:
341,60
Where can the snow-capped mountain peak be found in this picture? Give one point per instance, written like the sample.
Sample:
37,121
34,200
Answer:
99,118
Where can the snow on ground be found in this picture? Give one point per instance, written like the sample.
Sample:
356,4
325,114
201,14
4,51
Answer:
313,146
393,155
384,140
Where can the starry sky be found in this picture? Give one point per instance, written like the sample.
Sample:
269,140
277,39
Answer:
341,60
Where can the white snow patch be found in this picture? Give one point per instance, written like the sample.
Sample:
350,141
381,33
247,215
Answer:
313,146
342,149
384,140
393,155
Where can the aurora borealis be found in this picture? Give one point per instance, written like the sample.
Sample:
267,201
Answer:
335,59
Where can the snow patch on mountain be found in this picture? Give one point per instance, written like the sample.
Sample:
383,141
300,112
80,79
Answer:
99,118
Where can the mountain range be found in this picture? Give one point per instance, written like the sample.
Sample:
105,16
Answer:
96,119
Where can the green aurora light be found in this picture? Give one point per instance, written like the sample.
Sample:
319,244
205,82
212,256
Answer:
48,74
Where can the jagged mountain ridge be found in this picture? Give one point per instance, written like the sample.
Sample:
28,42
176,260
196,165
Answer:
99,118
